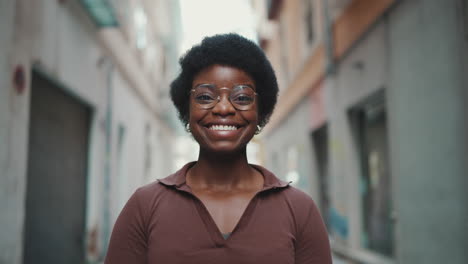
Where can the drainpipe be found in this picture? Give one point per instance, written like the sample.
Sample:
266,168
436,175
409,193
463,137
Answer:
330,67
108,155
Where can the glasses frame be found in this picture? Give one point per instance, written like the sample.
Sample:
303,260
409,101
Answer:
218,98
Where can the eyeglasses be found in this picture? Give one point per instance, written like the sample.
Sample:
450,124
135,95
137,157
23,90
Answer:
206,96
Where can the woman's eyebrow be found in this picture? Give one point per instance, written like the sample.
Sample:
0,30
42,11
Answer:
246,84
205,84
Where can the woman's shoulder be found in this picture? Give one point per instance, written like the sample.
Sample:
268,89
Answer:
150,197
150,189
300,204
288,190
297,197
302,207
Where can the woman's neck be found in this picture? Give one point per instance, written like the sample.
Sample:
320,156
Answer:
223,172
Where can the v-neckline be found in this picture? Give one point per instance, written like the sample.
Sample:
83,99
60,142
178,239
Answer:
177,181
211,226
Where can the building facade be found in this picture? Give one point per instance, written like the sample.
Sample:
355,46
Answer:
84,120
372,122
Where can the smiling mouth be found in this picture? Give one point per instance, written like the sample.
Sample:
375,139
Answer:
222,128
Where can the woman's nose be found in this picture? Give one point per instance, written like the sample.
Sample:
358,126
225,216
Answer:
224,106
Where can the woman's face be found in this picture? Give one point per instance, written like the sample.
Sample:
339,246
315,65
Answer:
223,128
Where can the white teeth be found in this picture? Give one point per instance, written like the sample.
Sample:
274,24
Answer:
221,127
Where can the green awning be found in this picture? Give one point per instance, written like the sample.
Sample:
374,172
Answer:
101,12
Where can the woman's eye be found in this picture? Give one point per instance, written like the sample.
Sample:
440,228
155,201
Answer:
243,99
204,98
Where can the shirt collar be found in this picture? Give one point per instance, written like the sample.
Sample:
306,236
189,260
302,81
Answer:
177,179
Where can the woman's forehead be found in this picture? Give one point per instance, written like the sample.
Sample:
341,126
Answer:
222,74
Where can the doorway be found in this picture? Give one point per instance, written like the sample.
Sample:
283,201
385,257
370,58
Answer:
56,175
320,145
369,122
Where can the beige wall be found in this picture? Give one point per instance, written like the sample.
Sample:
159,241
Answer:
299,66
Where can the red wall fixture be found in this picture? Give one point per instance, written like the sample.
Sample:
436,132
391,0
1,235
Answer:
19,79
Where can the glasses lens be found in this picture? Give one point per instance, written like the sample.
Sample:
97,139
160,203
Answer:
204,96
242,97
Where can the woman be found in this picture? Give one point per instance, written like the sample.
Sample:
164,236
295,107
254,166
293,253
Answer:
221,209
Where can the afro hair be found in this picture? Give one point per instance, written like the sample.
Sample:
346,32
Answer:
230,50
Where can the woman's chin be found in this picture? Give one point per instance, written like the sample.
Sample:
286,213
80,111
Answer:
227,148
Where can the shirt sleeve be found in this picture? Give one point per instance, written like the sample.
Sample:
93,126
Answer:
128,243
312,244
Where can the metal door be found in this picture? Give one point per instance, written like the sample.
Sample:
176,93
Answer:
56,177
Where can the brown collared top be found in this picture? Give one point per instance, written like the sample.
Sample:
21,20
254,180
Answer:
163,222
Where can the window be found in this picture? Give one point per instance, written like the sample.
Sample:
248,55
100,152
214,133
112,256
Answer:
148,155
140,22
309,20
284,51
320,145
369,123
292,173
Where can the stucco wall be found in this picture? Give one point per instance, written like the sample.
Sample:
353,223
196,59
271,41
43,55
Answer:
60,41
428,131
415,53
9,184
14,110
359,75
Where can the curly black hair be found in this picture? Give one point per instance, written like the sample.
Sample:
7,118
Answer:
230,50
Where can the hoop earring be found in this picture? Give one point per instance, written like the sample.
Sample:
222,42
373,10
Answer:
187,128
259,129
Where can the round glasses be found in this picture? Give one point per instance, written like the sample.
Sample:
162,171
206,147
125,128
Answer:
206,96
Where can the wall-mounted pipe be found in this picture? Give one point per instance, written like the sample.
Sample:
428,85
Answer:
109,69
330,66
